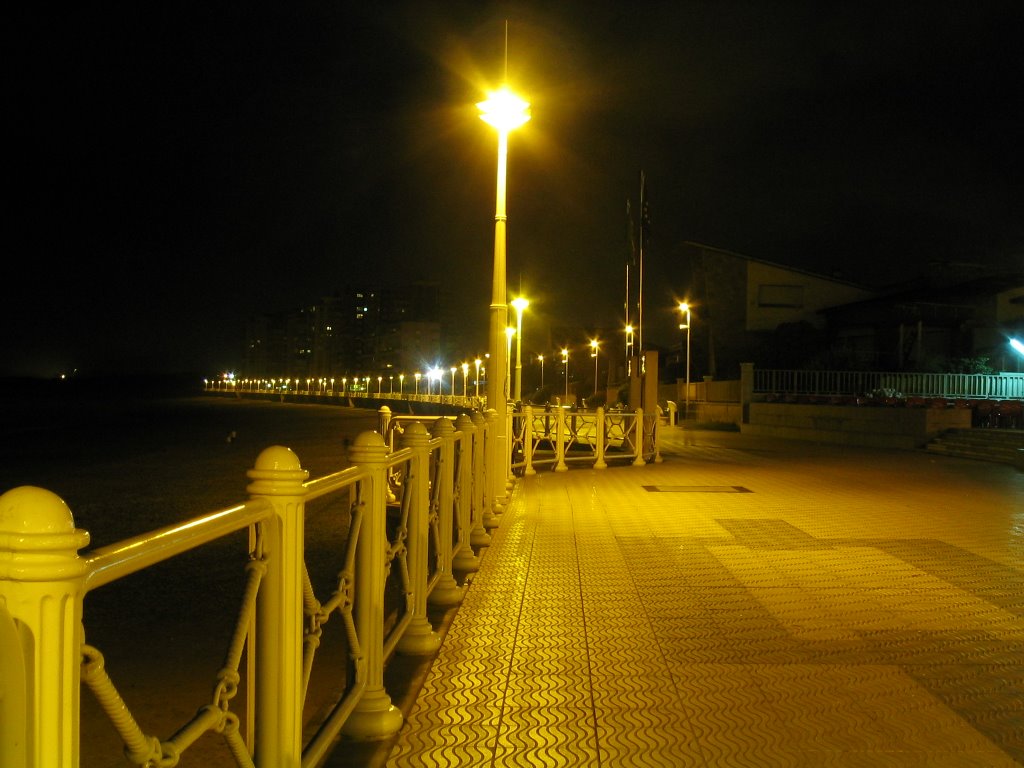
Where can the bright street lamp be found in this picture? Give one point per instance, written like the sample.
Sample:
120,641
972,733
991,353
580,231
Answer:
506,112
685,309
453,369
541,359
520,304
477,364
417,376
594,345
401,385
465,375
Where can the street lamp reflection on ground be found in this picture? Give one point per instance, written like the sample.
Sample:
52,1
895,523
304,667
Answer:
685,309
520,304
506,112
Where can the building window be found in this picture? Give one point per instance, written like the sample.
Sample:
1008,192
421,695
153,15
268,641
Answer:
780,296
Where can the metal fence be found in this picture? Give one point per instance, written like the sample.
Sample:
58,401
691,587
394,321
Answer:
1004,386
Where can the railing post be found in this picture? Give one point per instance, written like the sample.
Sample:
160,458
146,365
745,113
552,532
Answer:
374,716
471,492
446,590
480,512
528,441
599,437
41,590
495,472
639,442
419,637
384,426
560,465
277,476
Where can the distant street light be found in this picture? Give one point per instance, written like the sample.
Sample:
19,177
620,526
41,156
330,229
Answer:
685,309
465,375
477,364
401,385
541,359
391,384
417,376
380,379
594,345
453,369
520,304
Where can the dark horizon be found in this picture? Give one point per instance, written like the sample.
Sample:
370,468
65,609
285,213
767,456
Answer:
182,169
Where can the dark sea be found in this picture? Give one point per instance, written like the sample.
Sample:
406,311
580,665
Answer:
129,457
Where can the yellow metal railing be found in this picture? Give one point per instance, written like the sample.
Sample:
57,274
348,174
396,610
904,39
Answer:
418,539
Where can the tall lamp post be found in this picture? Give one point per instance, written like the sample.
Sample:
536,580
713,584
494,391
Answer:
594,345
565,362
685,309
506,112
540,358
401,385
477,364
509,333
520,304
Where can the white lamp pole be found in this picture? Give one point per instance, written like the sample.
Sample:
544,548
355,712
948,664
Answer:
594,345
509,333
504,111
520,304
685,309
565,361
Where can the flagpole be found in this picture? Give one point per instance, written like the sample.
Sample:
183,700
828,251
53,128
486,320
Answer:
640,290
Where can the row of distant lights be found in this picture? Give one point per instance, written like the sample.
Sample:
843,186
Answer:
436,374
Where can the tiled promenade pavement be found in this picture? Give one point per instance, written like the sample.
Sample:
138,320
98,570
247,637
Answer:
747,602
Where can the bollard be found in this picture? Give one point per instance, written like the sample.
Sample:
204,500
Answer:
419,637
446,590
41,591
277,477
599,429
471,481
374,716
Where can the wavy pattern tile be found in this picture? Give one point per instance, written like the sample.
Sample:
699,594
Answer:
811,622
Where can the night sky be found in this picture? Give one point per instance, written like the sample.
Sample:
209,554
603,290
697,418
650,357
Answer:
180,167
